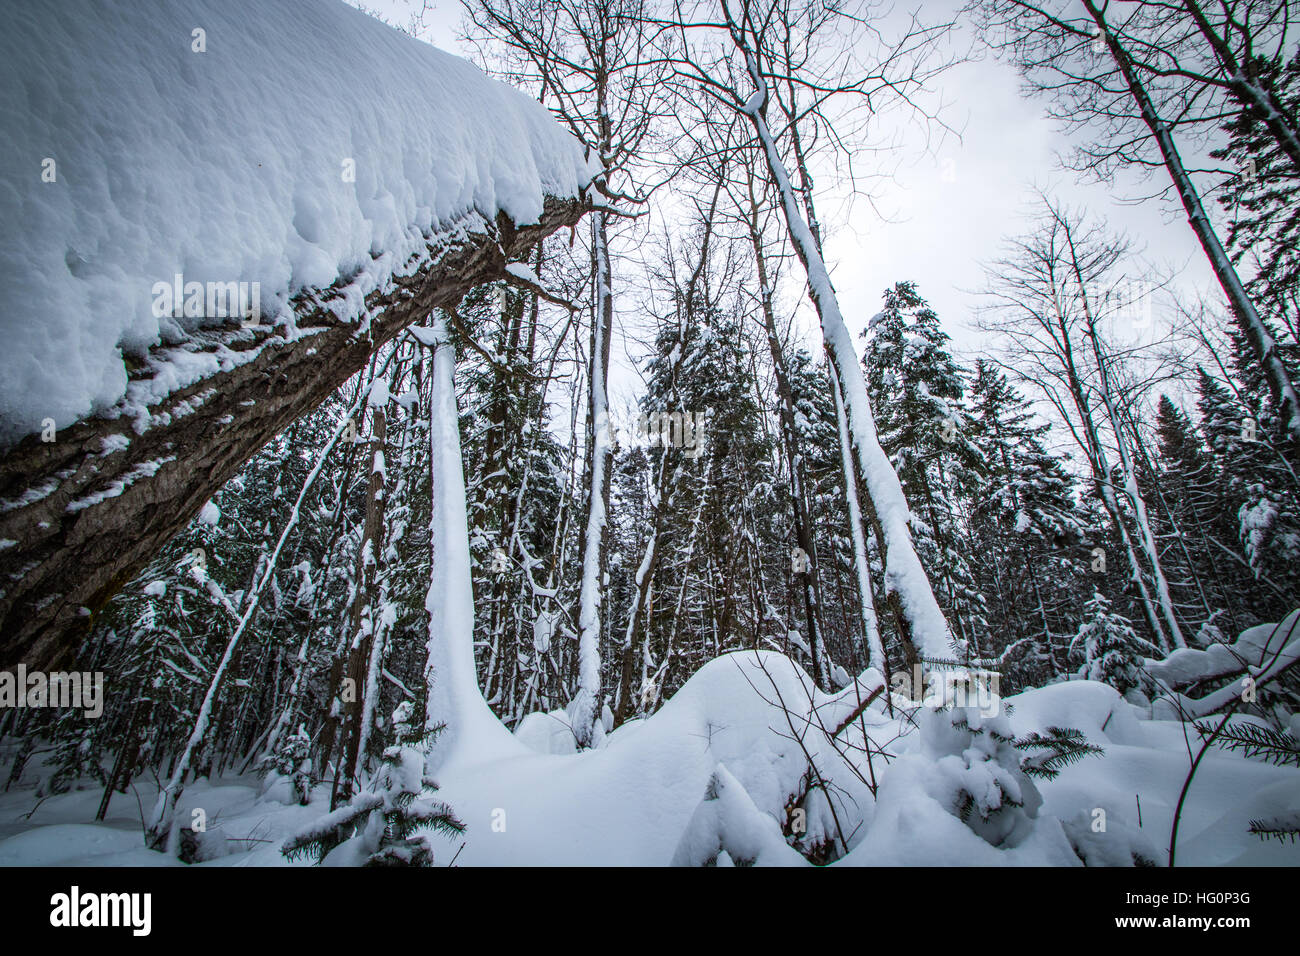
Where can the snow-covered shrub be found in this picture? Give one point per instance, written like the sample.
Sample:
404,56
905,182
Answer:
1111,652
382,825
727,829
977,774
291,765
1117,843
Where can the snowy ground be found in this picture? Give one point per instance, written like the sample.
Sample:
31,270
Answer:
638,799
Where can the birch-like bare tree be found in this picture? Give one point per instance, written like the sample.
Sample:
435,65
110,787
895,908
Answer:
591,63
742,55
1135,78
1049,298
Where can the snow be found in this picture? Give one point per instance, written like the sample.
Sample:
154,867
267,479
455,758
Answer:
590,593
1255,646
471,731
524,273
727,823
380,394
547,733
119,485
210,514
113,443
544,626
305,139
1258,654
75,843
710,777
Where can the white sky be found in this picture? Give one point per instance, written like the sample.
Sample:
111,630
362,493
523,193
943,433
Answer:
951,205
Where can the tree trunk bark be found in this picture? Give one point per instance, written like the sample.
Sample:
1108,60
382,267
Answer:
86,515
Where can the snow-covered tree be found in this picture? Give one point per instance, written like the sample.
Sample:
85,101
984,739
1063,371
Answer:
389,823
926,431
1111,651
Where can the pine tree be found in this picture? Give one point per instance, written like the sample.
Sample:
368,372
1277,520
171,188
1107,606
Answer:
1111,650
722,491
514,466
991,794
1263,202
292,762
389,821
1027,522
916,388
1190,523
818,434
1258,490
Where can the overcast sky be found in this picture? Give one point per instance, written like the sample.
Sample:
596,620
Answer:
950,206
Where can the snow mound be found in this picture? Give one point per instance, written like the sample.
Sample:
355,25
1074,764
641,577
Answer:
286,144
749,764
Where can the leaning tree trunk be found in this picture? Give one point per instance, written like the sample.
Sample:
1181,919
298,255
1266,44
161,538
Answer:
1243,308
83,514
906,579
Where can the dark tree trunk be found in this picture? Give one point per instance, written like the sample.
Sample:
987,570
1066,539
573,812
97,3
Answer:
127,503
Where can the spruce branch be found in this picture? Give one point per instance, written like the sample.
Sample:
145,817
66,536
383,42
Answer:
1060,747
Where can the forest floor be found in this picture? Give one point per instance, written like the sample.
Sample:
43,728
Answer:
639,799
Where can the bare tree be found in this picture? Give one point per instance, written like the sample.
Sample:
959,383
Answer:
734,59
590,63
1049,298
1104,70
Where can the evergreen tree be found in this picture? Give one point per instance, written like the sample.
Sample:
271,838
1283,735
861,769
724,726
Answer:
1027,522
514,482
722,491
818,434
1193,527
1111,650
389,822
1263,201
292,762
916,389
1257,488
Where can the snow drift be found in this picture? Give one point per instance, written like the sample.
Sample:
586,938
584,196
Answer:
720,774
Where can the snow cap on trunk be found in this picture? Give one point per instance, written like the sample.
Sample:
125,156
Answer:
154,153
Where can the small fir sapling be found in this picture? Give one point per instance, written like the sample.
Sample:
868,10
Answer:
387,822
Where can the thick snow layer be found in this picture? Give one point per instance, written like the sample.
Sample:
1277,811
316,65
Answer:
470,730
1256,647
284,144
709,778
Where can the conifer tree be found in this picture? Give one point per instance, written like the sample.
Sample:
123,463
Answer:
722,490
1026,520
1263,201
292,761
1111,650
1257,486
1194,528
390,821
917,389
